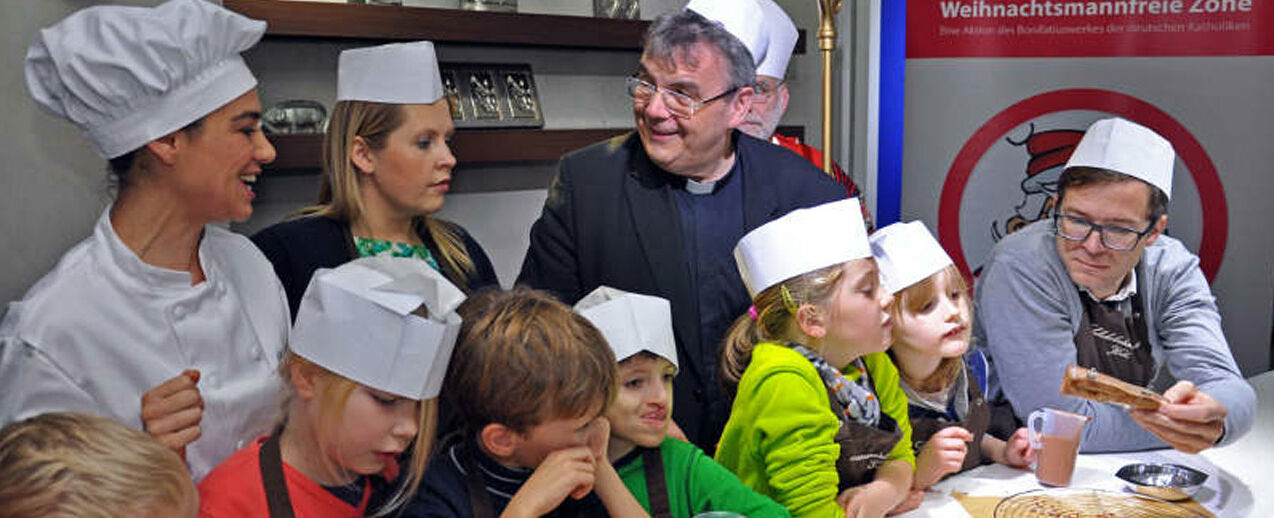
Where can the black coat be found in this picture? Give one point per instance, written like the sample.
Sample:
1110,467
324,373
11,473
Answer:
298,247
611,220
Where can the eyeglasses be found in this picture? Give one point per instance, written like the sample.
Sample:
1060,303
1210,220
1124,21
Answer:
1114,237
681,105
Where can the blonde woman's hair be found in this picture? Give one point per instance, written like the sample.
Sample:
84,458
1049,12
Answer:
335,393
339,193
774,320
911,300
83,465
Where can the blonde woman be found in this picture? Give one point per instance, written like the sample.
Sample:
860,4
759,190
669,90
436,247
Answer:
387,169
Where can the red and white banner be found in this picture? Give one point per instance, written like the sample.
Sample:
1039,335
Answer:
998,92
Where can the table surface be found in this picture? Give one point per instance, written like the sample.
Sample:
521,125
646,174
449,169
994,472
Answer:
1236,471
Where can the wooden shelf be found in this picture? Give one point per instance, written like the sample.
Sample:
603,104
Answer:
383,22
300,154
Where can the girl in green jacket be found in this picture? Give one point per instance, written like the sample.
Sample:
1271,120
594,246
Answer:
818,422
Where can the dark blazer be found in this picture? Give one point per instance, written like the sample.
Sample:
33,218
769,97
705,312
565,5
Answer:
298,247
610,220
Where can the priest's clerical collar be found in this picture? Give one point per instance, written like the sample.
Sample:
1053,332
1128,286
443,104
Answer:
700,188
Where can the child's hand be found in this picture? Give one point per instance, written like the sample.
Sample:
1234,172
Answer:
870,500
567,472
171,411
915,497
1017,450
942,454
599,439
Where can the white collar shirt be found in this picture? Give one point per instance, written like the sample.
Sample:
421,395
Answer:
103,327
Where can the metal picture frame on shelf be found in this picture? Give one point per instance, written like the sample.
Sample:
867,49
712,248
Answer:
492,95
510,6
623,9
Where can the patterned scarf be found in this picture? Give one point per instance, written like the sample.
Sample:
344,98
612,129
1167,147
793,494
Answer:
859,402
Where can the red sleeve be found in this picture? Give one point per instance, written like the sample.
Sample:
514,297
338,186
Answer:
234,488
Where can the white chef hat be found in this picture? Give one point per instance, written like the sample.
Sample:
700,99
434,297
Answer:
357,321
1129,148
907,253
780,40
631,322
742,18
800,242
397,73
129,75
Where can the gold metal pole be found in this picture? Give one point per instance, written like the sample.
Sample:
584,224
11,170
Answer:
827,46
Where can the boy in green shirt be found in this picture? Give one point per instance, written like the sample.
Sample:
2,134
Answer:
669,477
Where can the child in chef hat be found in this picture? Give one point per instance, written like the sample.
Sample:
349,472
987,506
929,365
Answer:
819,423
368,354
670,477
932,316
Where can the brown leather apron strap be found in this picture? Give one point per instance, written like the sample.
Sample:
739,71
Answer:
656,483
276,489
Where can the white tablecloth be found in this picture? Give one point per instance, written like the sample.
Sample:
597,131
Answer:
1241,481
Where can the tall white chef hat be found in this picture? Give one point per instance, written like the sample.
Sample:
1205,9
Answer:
907,253
1126,147
800,242
129,75
742,18
631,322
397,73
360,320
780,40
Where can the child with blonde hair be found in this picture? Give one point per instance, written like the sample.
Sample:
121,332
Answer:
932,315
81,465
670,477
818,423
371,343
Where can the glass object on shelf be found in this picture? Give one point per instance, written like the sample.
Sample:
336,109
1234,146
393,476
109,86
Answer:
295,117
490,5
625,9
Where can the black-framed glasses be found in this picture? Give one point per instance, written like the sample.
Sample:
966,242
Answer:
1114,237
681,105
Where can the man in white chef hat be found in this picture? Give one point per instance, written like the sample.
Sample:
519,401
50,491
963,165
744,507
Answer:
1101,286
769,104
367,357
658,211
160,319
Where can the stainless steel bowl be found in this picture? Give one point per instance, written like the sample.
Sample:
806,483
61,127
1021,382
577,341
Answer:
1166,481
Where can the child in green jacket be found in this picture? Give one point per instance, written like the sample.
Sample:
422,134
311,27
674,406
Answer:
818,422
669,477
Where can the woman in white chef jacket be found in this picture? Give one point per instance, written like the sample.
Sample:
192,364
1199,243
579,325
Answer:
157,319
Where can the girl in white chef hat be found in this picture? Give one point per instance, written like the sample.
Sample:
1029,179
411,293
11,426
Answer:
819,422
368,353
932,316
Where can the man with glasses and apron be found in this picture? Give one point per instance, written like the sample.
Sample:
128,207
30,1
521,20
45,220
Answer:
1101,286
658,211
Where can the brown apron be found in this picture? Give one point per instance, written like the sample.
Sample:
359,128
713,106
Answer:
1115,343
652,460
975,421
862,448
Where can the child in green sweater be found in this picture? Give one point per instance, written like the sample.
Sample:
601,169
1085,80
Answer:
818,422
669,477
